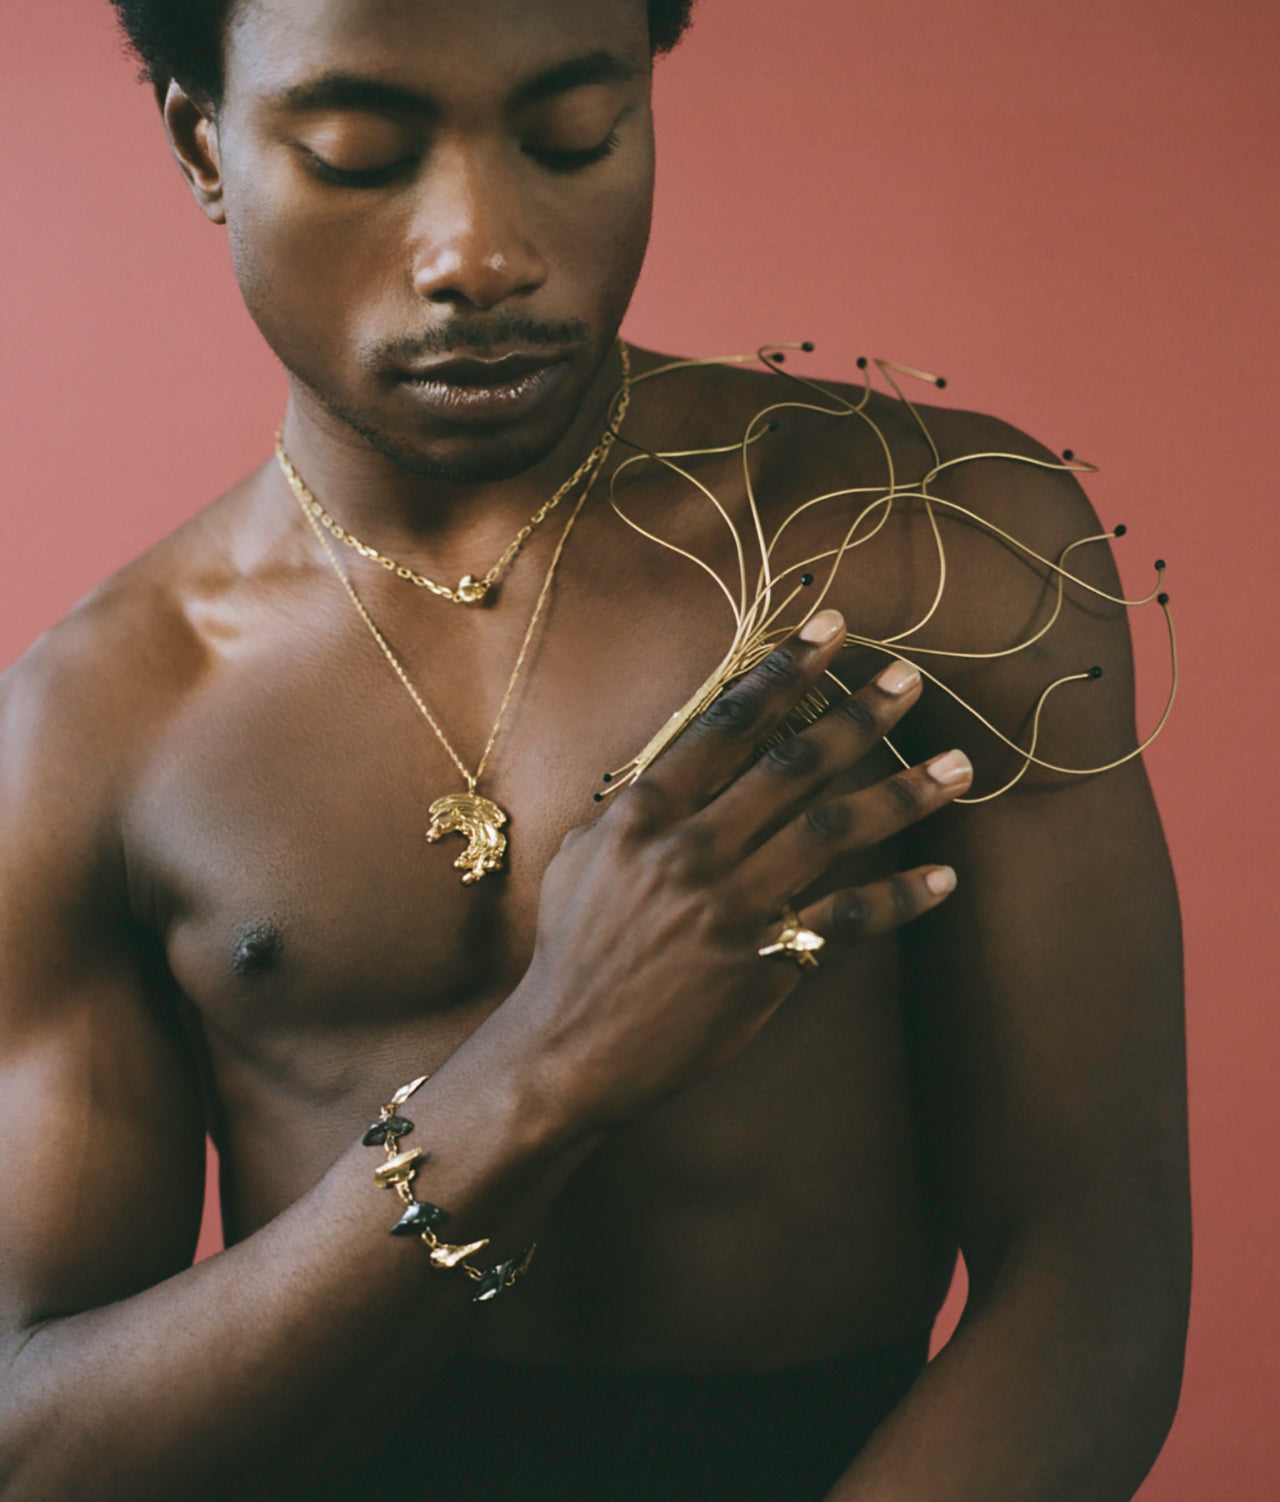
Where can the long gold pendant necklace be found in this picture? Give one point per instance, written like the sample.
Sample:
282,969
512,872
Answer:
478,819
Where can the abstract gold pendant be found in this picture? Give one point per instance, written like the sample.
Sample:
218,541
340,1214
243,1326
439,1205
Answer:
479,822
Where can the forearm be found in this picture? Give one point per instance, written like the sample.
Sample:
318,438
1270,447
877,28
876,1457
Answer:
260,1370
1059,1386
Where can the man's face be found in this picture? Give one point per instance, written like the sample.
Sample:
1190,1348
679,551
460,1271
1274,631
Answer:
413,183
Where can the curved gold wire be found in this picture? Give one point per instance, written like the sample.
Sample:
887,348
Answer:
758,613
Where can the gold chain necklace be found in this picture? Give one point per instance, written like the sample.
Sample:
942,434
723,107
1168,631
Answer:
469,589
479,820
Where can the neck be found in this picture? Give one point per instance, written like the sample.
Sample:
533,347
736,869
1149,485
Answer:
444,522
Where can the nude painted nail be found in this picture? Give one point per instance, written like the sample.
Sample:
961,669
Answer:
898,677
950,768
822,627
941,881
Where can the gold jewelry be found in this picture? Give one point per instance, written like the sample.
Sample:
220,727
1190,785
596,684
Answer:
470,590
479,820
420,1217
762,594
795,941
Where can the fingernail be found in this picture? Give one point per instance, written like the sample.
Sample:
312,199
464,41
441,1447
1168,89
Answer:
950,768
898,677
941,881
822,627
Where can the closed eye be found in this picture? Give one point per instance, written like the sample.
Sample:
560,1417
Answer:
575,161
352,177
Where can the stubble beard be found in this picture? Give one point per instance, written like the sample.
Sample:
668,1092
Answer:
482,460
486,464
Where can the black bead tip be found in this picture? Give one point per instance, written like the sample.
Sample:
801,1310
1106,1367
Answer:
807,346
597,797
940,382
862,362
1162,598
1068,455
1095,672
608,777
806,580
778,357
771,426
1119,531
1160,565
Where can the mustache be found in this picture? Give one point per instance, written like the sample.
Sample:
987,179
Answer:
485,336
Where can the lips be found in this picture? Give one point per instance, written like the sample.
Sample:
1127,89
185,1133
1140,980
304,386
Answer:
469,390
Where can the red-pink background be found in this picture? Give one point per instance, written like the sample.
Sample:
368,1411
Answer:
1068,209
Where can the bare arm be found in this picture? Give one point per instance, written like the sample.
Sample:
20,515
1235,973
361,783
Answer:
1047,1003
129,1373
134,1375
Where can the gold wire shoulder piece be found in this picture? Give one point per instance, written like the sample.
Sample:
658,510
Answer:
765,598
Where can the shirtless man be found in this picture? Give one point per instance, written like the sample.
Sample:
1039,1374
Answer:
747,1177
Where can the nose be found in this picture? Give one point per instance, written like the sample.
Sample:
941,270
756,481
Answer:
472,242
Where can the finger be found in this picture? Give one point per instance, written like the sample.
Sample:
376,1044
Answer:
855,914
789,775
806,848
722,740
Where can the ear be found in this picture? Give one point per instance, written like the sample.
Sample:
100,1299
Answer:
192,128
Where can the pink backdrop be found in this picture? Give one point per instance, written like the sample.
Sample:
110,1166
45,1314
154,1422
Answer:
1070,210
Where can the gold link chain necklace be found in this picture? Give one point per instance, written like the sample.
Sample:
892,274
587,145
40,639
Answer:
470,590
477,819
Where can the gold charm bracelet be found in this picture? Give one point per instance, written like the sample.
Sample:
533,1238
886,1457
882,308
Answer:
421,1218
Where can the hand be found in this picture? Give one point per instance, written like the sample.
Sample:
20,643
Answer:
646,973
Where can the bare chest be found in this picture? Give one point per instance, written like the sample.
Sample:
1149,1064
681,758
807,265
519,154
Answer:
278,834
278,849
284,845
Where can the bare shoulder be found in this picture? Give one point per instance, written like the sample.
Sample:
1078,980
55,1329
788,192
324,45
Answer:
955,540
1009,600
850,442
82,705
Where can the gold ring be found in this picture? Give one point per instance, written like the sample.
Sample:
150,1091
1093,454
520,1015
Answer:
795,941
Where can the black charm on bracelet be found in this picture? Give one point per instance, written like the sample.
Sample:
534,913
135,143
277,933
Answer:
421,1218
393,1126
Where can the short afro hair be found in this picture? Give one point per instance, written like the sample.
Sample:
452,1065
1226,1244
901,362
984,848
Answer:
182,39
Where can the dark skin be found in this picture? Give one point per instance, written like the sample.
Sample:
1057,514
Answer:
216,884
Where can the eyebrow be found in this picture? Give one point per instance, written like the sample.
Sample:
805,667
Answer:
356,91
577,73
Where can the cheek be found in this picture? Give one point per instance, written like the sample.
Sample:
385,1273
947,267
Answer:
626,251
307,279
603,246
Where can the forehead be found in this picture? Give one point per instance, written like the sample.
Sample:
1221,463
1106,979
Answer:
455,47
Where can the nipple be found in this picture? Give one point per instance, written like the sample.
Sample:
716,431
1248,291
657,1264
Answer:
257,949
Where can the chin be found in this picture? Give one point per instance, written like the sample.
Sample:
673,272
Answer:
480,456
480,460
